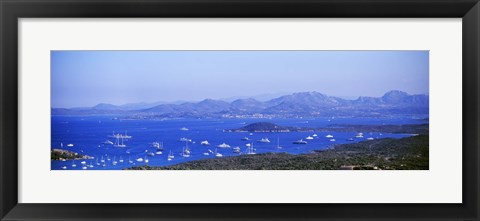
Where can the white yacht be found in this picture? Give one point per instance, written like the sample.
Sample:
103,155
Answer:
224,145
64,167
264,140
300,142
236,149
370,138
314,135
359,135
329,136
245,138
309,138
108,142
184,129
70,145
205,143
332,140
184,139
140,159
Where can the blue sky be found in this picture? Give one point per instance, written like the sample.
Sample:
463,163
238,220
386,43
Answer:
86,78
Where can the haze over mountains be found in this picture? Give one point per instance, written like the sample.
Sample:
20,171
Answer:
303,104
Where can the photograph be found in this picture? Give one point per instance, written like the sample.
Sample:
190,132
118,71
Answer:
239,110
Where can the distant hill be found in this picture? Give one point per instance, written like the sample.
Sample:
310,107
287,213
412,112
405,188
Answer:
304,104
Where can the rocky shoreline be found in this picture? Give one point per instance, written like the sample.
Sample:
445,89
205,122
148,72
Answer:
60,154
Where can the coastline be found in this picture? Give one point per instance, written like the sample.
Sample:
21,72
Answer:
411,153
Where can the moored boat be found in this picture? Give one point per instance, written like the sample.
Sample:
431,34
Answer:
264,140
224,145
301,141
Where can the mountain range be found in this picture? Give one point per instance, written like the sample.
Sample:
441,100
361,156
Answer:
302,104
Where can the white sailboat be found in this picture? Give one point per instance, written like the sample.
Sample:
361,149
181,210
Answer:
250,149
126,136
129,160
217,154
73,163
121,159
146,159
278,143
118,143
170,156
114,162
185,152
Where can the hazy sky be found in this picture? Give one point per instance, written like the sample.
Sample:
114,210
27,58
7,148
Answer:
86,78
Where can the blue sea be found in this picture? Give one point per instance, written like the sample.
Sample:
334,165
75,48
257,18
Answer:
87,134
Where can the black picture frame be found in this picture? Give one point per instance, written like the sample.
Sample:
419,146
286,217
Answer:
12,10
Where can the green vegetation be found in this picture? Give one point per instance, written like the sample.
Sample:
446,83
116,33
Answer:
411,153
